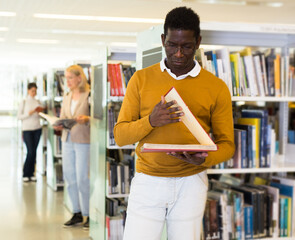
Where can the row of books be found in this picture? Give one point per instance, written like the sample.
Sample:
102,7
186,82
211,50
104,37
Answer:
120,171
118,77
255,140
251,73
59,82
113,113
249,211
115,218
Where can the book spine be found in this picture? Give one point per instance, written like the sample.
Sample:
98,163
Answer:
248,220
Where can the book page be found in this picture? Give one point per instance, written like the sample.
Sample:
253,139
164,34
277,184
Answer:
189,119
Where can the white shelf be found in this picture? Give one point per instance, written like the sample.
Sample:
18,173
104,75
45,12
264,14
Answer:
280,163
117,195
115,99
124,147
263,99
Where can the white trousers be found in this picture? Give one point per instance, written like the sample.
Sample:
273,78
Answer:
180,202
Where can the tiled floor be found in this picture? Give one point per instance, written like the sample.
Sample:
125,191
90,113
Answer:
29,211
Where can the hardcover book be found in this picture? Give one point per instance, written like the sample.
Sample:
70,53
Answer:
189,120
55,121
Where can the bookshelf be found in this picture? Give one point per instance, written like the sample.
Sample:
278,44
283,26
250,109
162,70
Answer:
42,147
54,160
150,51
100,92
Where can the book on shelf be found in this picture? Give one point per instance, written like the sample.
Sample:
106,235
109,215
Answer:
240,159
251,72
55,121
256,123
118,77
250,143
189,120
248,220
264,133
290,182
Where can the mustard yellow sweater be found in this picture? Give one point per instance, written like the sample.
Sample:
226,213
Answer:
208,99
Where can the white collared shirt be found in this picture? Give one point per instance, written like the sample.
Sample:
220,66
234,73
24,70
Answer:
193,73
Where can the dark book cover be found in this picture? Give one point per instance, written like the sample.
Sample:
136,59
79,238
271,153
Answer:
263,141
249,143
248,221
270,72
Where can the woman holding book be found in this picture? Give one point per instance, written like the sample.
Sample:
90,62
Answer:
76,144
31,129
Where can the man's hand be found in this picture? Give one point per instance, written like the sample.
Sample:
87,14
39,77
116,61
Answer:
196,158
162,114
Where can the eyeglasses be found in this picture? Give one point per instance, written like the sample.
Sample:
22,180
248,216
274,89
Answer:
185,49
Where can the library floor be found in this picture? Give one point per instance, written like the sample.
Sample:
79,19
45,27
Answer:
29,211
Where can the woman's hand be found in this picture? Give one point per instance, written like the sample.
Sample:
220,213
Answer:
196,158
58,128
82,119
32,112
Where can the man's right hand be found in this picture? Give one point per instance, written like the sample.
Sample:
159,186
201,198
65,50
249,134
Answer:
163,113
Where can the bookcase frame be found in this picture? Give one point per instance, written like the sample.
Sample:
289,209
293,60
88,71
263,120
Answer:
99,140
52,155
150,51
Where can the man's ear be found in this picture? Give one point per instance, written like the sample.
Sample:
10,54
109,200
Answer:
163,39
198,42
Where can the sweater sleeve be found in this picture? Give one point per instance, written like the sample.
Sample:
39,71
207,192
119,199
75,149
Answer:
130,127
222,127
21,115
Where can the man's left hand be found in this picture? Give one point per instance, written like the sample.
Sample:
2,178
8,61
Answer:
194,158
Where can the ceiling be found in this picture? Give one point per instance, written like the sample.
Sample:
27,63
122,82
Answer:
80,39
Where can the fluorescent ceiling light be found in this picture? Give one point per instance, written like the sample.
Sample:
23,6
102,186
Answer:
7,14
123,44
98,18
96,33
225,2
4,29
43,41
274,4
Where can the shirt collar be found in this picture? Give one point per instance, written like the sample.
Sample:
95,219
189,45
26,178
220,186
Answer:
193,73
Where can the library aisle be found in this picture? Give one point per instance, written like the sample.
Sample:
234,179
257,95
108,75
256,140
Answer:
29,211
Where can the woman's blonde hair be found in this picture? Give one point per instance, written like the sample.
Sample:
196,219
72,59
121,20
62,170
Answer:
78,71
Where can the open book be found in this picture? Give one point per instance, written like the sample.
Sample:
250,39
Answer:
55,121
189,120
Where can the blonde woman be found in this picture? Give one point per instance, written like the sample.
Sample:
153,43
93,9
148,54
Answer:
76,144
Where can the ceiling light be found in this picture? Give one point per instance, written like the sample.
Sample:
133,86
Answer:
275,4
43,41
123,44
4,29
2,39
225,2
97,33
98,18
7,14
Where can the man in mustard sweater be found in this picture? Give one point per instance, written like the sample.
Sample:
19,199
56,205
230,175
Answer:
172,187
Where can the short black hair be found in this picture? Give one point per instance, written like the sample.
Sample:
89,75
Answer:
32,85
182,18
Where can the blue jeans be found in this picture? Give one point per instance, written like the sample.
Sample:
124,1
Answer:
75,158
31,139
